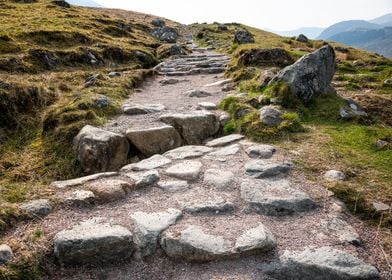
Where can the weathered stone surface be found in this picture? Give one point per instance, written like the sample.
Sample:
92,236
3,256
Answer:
80,198
341,229
310,75
187,152
334,175
169,82
266,57
257,239
271,115
110,190
37,208
150,163
302,38
6,254
194,127
99,150
243,37
138,109
226,140
155,140
82,180
261,151
264,78
193,244
319,264
174,186
207,106
145,179
185,170
220,179
214,205
93,243
148,227
380,207
219,83
197,93
263,169
166,34
158,22
225,151
275,198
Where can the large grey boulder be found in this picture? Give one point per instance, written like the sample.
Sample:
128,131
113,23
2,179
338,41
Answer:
166,34
266,57
243,37
155,140
148,227
320,264
275,197
99,150
271,115
194,127
310,75
93,243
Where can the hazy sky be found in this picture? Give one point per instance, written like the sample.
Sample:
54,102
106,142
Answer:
272,14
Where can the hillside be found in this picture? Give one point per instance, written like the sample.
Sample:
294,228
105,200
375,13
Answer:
174,137
376,40
310,32
44,96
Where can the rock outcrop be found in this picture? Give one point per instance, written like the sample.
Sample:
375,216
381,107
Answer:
266,57
243,37
310,75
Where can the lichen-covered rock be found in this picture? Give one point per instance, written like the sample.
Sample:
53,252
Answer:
166,34
310,75
148,226
99,150
243,37
320,264
271,115
37,208
93,243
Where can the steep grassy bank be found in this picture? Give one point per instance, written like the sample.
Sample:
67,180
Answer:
54,65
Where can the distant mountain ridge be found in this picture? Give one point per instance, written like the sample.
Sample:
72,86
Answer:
85,3
310,32
345,26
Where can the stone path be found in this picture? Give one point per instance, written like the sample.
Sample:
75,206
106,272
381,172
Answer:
196,205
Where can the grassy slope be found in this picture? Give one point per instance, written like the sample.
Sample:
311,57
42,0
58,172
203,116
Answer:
43,106
328,142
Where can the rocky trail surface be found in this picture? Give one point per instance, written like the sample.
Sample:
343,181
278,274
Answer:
195,204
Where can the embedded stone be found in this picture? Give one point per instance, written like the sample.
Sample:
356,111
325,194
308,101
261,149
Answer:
186,170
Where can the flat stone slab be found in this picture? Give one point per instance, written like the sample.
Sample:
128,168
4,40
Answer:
156,140
110,189
37,208
341,229
334,175
225,151
220,179
193,244
6,254
262,169
187,152
138,109
150,163
174,186
148,227
82,180
258,239
261,151
80,198
213,205
226,140
322,263
186,170
207,106
219,83
93,243
275,197
197,93
144,179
